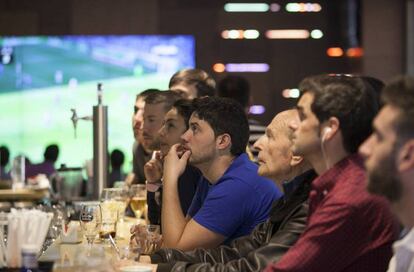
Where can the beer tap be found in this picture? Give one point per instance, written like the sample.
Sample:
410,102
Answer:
75,119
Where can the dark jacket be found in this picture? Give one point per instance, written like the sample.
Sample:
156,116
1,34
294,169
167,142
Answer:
267,243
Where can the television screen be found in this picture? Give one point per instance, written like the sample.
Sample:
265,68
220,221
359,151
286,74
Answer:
43,77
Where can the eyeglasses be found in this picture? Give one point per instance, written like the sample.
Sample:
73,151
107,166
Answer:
342,75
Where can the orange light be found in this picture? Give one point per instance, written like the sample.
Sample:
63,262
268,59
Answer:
355,52
219,68
335,52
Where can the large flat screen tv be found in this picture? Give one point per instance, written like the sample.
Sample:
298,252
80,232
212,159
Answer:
43,77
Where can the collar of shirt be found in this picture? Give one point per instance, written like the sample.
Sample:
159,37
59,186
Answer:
403,254
290,186
407,242
325,182
238,161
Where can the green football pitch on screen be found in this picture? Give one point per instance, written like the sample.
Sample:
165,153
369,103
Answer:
43,78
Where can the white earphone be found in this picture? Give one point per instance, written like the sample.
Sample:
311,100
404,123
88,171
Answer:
325,133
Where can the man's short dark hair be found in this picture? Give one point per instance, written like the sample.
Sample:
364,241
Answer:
184,108
225,115
203,89
4,155
347,98
51,153
235,87
145,93
166,97
399,93
203,82
117,158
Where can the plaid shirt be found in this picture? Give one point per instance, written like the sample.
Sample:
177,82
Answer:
348,229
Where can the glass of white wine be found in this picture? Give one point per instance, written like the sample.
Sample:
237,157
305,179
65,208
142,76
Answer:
90,221
138,199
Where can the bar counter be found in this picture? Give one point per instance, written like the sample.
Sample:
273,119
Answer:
68,257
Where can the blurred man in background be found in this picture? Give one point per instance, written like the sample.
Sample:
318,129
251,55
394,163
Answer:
46,167
141,150
192,83
4,160
238,88
117,158
156,106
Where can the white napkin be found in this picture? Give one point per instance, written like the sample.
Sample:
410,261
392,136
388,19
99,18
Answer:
25,227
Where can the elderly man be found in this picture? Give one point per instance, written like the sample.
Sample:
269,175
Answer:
272,238
389,160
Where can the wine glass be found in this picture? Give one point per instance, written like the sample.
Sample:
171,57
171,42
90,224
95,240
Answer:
138,199
90,221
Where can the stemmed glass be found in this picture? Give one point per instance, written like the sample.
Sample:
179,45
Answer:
90,221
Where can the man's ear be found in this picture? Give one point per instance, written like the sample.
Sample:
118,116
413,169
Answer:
406,156
295,161
223,141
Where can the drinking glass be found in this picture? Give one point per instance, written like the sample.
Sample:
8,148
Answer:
90,221
114,199
138,199
153,239
109,222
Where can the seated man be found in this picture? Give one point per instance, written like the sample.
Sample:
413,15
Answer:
141,149
347,229
175,124
272,238
156,106
389,159
231,199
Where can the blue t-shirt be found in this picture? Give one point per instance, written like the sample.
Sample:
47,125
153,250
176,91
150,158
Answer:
239,201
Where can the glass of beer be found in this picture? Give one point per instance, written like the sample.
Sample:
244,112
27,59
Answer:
138,199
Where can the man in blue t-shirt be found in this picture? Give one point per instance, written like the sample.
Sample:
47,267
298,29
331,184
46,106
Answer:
231,199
